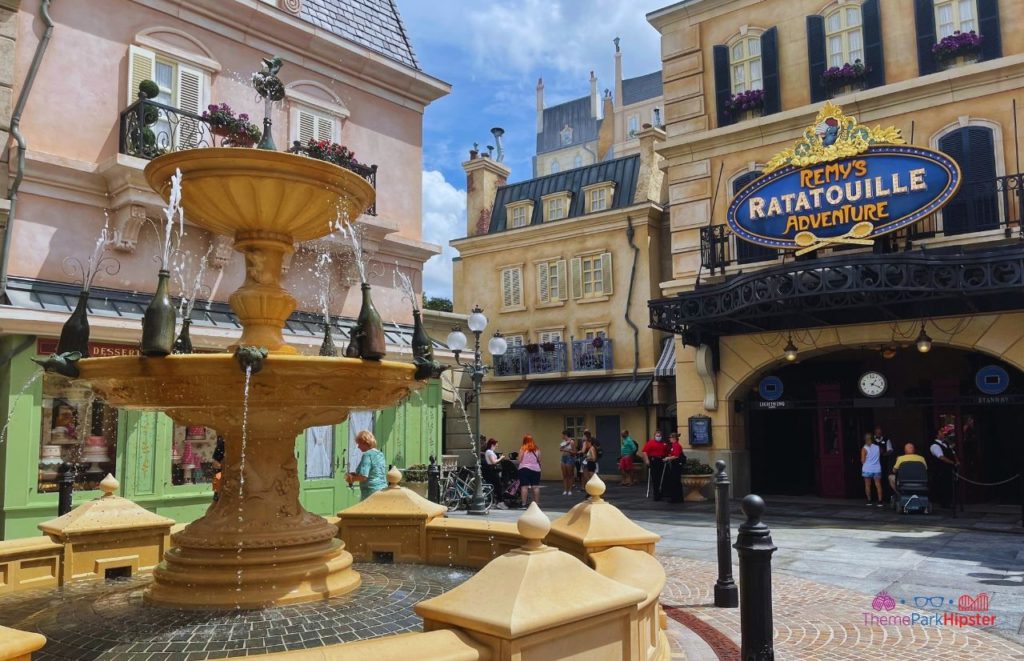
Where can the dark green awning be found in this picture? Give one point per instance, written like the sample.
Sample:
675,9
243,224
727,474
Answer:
585,393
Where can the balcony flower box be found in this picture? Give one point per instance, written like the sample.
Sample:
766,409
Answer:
958,48
847,78
745,105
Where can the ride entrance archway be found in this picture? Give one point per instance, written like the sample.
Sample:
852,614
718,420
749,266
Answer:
806,420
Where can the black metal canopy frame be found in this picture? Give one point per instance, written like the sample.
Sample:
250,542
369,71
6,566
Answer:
848,289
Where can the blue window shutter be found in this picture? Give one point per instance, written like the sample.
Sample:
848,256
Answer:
871,21
723,83
988,27
770,71
924,22
816,57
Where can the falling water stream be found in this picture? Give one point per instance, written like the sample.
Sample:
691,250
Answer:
14,402
241,473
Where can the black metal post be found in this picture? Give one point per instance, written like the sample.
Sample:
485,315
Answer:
953,487
66,486
433,481
754,546
478,505
726,592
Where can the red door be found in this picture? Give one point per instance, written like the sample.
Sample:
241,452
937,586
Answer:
831,482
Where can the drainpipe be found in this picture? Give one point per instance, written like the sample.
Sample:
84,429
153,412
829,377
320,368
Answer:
25,344
19,108
630,233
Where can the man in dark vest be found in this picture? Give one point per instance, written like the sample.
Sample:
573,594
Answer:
943,463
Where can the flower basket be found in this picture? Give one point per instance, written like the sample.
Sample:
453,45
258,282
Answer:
745,104
959,47
694,487
845,78
325,150
597,343
532,348
548,346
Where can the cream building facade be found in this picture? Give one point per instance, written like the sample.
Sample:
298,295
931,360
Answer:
735,306
563,267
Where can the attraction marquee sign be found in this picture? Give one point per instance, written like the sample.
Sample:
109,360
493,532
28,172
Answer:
842,183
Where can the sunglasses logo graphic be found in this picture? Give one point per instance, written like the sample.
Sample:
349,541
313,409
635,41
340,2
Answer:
929,602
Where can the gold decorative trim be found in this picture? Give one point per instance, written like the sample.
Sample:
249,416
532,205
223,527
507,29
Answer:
833,136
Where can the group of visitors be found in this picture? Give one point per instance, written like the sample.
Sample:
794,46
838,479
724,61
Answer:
578,462
527,462
664,461
876,458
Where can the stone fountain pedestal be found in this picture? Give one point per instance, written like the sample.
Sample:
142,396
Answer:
257,545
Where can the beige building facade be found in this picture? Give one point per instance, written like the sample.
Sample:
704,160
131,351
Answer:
737,307
563,269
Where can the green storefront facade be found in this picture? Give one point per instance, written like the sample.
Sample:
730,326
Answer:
144,449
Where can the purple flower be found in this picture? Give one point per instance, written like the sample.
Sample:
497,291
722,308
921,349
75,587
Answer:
956,44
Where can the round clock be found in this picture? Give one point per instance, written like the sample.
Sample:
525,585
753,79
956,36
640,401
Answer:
872,384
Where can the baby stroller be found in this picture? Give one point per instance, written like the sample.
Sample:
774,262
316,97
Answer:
911,495
509,482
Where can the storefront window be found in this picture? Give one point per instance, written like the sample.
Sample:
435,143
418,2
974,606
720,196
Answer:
320,453
193,454
78,429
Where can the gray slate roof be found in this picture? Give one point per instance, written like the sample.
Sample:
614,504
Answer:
623,171
375,24
641,88
576,114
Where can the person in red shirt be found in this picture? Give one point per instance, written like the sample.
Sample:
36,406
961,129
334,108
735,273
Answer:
653,454
672,473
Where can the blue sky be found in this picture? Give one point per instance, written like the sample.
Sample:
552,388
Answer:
492,54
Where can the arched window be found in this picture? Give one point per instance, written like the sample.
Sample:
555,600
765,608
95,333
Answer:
746,252
555,167
578,161
955,16
745,63
844,38
975,207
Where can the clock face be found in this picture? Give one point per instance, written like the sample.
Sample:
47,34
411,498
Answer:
872,384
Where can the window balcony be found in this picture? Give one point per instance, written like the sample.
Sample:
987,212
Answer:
555,358
149,129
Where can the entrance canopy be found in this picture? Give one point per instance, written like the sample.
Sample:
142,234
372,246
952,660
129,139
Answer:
585,393
848,289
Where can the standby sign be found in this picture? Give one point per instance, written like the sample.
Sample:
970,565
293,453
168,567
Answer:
842,184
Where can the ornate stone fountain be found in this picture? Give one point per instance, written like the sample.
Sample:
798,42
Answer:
256,545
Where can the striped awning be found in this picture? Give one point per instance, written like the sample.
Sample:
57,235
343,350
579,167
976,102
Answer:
666,367
585,393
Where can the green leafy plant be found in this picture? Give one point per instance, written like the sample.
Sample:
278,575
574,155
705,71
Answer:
415,473
148,89
696,467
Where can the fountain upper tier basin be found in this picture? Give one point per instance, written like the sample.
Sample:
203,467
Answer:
232,190
304,389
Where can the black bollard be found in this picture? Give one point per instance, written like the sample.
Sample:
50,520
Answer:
754,546
434,481
726,593
66,486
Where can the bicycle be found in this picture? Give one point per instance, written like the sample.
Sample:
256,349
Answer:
458,487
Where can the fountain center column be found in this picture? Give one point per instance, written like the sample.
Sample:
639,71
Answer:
261,303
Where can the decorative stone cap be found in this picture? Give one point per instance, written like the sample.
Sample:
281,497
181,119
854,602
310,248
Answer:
394,502
106,513
16,644
524,591
596,522
394,477
631,567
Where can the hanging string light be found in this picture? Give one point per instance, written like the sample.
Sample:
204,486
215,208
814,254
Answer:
924,342
790,350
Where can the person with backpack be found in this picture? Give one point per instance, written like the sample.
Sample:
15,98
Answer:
627,448
591,454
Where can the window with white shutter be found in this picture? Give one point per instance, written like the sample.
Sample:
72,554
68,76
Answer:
552,336
141,66
514,340
512,287
592,276
181,86
551,281
308,125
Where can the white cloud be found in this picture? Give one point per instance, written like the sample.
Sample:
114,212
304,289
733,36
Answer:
444,218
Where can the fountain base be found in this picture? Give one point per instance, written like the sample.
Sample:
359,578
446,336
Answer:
205,579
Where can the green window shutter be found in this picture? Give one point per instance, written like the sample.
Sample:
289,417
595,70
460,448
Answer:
562,284
141,65
577,277
543,293
606,273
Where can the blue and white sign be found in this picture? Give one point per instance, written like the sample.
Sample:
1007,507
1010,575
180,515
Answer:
992,380
770,388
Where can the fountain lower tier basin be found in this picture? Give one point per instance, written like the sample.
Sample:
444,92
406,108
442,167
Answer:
256,544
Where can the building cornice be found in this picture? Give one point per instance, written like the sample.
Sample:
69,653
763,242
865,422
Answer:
694,10
560,230
872,105
269,29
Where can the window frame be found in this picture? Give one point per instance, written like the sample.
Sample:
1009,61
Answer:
547,200
511,210
513,302
845,31
590,192
633,125
575,427
545,335
957,23
746,38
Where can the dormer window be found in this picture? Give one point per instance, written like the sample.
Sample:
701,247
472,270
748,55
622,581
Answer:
599,196
519,214
556,206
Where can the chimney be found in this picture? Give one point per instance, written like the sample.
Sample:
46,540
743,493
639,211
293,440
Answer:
593,96
618,75
483,177
651,178
606,134
540,105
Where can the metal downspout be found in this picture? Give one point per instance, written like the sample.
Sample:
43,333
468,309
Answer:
19,108
630,233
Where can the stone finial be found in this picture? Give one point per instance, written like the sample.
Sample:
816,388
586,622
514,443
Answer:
533,525
394,477
109,485
595,488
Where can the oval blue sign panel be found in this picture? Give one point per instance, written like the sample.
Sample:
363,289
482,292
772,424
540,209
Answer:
992,380
770,388
842,183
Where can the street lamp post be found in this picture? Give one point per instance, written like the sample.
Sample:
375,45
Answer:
477,322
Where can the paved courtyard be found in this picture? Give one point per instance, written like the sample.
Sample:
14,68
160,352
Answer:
832,561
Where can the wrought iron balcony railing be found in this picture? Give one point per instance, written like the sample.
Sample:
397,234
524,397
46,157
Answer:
554,359
513,363
587,356
979,206
149,129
